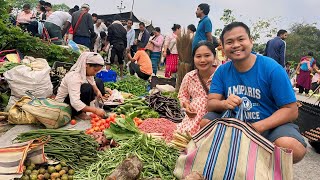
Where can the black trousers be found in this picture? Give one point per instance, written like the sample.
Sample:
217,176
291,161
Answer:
86,95
135,68
117,50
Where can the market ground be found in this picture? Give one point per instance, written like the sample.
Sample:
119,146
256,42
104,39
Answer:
307,169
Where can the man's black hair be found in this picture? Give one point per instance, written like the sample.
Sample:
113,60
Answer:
48,4
26,6
94,15
231,26
205,8
192,28
281,32
71,11
142,24
117,17
310,53
76,7
42,3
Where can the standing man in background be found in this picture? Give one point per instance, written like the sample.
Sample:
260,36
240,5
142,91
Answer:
82,25
204,30
130,36
276,47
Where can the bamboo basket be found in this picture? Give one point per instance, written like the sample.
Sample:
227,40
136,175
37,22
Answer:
309,123
185,65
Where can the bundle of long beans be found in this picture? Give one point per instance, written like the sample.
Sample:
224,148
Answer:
71,146
166,107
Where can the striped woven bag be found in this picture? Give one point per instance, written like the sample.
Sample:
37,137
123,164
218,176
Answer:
229,148
13,157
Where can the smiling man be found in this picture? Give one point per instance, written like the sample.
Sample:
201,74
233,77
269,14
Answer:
263,87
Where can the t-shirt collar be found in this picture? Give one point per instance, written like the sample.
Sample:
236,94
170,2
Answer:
204,17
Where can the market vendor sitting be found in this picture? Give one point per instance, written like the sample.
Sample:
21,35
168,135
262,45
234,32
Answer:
193,93
78,88
140,64
107,75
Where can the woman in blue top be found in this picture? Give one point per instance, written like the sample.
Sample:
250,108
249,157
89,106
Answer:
304,70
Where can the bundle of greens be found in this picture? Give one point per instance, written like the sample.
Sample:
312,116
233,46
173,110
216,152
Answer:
122,129
158,159
71,146
7,66
129,84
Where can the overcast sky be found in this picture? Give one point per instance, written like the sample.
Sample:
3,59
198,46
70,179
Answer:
164,13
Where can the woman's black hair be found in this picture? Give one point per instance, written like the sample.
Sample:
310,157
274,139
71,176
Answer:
192,28
310,53
157,29
209,45
175,27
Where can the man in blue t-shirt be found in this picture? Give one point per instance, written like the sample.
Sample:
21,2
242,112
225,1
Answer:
204,30
263,87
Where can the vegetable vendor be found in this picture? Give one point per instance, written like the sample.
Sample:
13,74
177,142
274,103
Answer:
78,88
193,93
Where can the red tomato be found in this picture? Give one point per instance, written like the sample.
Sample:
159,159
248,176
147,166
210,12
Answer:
73,122
96,119
90,131
92,122
93,115
107,125
113,115
112,119
122,116
96,129
103,121
102,128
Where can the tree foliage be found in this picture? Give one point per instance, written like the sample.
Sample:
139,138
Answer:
19,3
60,7
12,37
259,29
302,39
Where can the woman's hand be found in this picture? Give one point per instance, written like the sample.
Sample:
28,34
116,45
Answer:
189,110
99,95
100,112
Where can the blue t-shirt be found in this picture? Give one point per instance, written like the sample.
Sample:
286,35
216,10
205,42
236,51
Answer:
264,88
107,76
204,27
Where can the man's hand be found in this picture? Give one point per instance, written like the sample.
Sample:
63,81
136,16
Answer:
189,110
164,53
232,102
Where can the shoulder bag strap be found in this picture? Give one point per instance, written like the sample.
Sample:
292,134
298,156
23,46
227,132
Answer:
206,89
78,23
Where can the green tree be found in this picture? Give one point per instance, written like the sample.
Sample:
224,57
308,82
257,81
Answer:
60,7
226,18
302,39
19,3
259,29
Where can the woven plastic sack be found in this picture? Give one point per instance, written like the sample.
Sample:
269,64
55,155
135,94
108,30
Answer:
49,112
19,116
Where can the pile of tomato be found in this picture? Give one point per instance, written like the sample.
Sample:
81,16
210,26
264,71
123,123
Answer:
99,124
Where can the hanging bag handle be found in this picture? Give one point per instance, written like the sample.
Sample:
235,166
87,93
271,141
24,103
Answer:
78,23
206,89
239,115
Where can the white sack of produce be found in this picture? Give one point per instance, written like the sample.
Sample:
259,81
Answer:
34,77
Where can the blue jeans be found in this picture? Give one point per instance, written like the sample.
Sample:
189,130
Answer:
82,40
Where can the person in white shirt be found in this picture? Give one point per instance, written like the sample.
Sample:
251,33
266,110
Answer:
58,24
130,36
99,27
78,88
